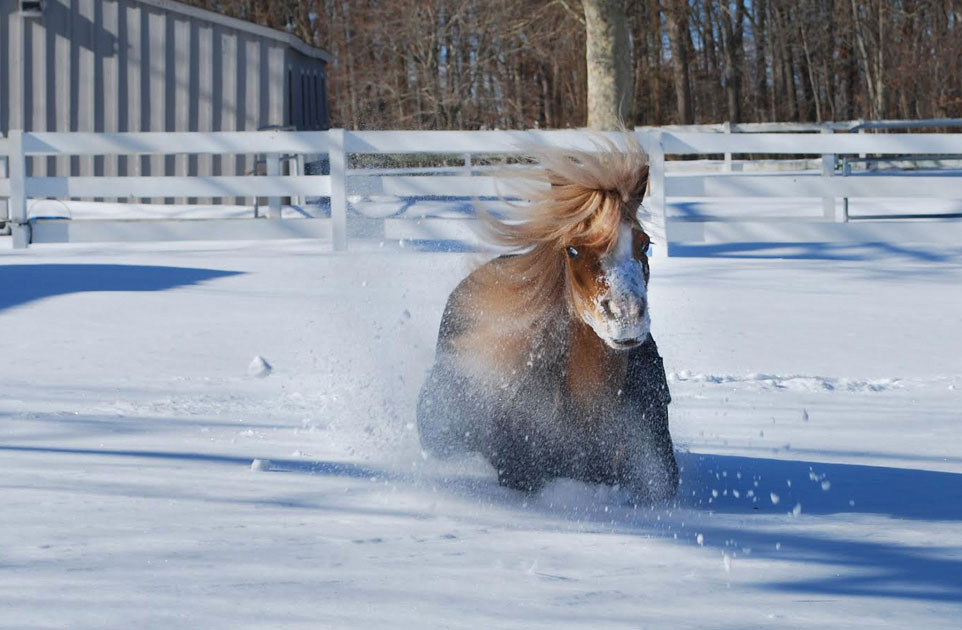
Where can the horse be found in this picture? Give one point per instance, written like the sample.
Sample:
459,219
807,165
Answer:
545,363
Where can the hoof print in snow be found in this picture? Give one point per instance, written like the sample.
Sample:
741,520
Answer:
259,368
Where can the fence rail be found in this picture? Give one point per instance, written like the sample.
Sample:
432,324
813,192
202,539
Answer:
173,142
691,143
200,186
829,184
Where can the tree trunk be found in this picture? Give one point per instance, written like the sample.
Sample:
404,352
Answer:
810,71
708,91
677,15
872,65
782,37
610,80
349,79
657,83
734,37
761,89
880,95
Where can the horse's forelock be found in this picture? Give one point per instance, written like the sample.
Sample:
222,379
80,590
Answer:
600,230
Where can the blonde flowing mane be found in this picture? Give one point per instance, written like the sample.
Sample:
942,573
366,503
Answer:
575,198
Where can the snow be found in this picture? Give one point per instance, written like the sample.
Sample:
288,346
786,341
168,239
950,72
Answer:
148,479
259,367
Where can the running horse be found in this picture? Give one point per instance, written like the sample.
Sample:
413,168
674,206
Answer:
545,362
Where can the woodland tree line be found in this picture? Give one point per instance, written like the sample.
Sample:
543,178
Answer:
468,64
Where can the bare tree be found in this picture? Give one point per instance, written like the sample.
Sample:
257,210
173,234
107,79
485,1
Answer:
679,37
439,64
609,67
870,37
733,19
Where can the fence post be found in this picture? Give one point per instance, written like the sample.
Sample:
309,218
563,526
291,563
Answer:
727,127
656,187
273,168
4,203
300,163
846,171
338,160
18,193
861,130
828,170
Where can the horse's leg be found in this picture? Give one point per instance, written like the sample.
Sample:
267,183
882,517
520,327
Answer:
518,459
445,413
650,469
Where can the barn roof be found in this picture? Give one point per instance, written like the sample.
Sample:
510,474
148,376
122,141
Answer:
240,25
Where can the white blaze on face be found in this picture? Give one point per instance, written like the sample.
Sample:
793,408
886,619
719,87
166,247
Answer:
622,319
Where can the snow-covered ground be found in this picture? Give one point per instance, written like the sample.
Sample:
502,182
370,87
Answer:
817,402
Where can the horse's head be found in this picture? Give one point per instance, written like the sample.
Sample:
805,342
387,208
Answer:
586,249
608,284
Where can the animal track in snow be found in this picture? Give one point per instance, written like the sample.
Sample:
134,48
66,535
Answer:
794,382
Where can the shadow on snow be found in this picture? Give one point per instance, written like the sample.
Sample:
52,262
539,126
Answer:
720,484
25,283
870,568
813,251
337,469
777,486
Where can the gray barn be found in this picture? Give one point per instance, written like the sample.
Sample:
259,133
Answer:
151,65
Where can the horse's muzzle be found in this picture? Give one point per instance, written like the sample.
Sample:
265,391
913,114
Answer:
626,308
624,321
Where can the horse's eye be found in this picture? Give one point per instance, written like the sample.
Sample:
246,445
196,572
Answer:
572,252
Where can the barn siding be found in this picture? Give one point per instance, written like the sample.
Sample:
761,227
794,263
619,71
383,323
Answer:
150,65
6,31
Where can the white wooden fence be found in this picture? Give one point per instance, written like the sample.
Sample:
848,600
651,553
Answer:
833,225
337,145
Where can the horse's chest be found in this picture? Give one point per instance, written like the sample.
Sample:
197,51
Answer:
594,376
575,414
607,416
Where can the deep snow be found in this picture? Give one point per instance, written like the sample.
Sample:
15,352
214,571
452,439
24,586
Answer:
817,403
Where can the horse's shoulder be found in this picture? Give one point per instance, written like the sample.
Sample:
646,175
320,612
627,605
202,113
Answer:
462,304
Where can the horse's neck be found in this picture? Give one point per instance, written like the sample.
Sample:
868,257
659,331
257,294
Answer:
595,373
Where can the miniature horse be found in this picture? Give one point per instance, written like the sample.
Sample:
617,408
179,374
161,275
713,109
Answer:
545,363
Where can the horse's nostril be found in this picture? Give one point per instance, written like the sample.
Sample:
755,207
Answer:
623,308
